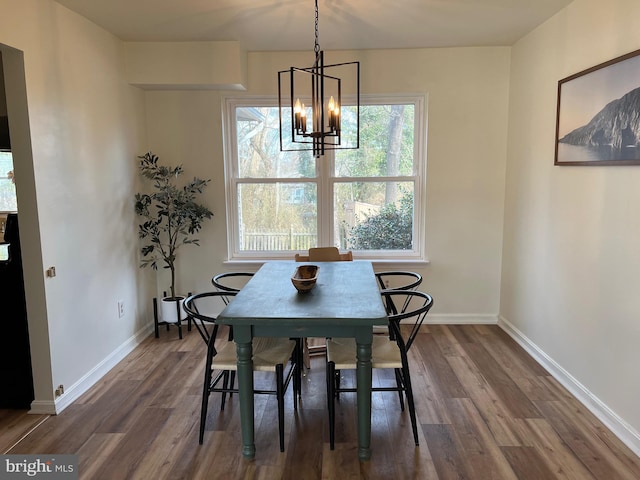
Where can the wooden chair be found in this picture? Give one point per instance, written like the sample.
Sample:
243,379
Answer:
324,254
269,355
320,254
386,352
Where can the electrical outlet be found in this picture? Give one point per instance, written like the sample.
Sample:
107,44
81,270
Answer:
120,308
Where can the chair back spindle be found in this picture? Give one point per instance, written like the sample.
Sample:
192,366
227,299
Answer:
230,282
415,306
203,309
397,280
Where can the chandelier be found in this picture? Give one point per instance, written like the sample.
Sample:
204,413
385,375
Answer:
318,127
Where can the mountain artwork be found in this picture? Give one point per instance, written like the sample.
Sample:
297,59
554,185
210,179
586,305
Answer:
589,134
616,127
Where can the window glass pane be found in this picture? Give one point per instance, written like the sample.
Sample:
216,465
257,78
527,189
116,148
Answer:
386,143
348,124
259,154
277,216
7,196
374,215
8,201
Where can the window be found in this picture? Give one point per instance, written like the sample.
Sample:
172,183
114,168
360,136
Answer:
8,201
368,200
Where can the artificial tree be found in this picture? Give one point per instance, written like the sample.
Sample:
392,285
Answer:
171,215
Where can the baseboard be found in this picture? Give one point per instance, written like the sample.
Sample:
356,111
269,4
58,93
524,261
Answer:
461,319
625,432
43,407
74,392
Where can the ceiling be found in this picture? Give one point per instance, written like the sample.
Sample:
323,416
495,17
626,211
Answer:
261,25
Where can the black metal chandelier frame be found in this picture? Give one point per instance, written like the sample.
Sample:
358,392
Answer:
325,132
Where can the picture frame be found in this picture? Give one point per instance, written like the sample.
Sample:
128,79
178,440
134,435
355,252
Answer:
598,114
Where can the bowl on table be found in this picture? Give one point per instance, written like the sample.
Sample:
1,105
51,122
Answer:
305,277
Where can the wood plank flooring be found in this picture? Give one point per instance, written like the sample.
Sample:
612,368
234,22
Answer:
486,410
14,425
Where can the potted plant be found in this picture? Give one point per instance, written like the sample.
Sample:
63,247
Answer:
171,218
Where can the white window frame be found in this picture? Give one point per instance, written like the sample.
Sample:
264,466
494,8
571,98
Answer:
325,182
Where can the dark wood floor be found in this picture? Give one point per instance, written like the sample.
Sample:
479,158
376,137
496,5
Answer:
486,411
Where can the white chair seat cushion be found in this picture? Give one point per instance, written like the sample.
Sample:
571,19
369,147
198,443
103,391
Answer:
267,353
384,353
381,330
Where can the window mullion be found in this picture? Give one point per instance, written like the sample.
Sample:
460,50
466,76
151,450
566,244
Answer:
324,169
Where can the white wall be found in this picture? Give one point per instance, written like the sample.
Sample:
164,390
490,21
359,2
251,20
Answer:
571,258
80,127
467,92
3,100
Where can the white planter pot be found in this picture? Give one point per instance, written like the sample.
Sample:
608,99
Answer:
168,309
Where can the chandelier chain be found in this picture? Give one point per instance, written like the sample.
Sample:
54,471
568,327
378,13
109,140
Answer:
316,47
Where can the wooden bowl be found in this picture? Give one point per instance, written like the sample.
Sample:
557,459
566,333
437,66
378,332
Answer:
304,278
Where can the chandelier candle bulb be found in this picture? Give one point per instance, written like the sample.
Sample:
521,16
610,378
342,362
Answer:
331,108
297,113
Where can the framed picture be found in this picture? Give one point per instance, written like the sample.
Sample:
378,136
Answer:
598,117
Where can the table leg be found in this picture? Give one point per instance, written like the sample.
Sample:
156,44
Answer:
242,337
363,353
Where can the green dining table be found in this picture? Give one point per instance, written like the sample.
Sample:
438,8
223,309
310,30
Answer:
345,302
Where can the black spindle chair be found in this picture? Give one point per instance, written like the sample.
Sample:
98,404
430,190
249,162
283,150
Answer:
386,352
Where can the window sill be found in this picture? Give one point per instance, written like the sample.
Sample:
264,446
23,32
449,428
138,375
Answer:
391,263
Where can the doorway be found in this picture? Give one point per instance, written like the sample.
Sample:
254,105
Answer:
15,355
33,369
